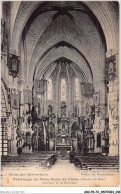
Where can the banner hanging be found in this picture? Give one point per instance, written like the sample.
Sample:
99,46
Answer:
87,89
40,86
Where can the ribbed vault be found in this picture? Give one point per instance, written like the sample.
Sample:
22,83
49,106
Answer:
25,10
47,31
60,52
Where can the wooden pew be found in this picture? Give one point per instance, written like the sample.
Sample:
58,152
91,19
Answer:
96,162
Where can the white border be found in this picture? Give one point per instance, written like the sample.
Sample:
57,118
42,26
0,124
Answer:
59,190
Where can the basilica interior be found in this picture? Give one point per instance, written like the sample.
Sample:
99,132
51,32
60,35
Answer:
60,77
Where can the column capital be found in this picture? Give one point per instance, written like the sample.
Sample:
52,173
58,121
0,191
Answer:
14,52
111,52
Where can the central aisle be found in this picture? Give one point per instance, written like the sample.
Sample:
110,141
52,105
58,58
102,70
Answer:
63,165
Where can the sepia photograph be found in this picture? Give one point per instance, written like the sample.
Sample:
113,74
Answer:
60,94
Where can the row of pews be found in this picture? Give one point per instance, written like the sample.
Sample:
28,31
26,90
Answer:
94,161
42,159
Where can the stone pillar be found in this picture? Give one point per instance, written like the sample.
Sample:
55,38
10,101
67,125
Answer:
51,144
99,101
14,144
21,87
97,129
75,145
12,129
113,104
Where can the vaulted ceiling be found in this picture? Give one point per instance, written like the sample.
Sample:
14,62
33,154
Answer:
45,32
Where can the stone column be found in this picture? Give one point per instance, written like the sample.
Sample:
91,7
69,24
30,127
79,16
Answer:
99,100
13,144
113,104
21,88
12,129
51,144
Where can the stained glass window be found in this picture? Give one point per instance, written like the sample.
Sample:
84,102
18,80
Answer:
49,89
63,90
76,89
